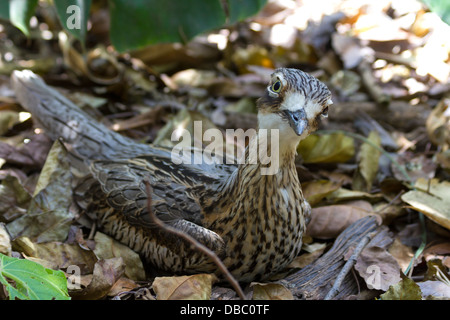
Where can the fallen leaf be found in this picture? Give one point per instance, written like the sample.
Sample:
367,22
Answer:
122,285
328,222
306,258
5,241
7,120
378,268
315,191
326,148
405,289
106,247
58,255
416,166
106,274
32,153
14,199
343,194
368,158
48,216
435,204
194,287
270,291
434,289
436,271
403,254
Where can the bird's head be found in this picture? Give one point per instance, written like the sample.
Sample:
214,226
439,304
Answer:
293,103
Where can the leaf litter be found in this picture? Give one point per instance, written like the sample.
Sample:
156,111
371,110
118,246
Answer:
388,67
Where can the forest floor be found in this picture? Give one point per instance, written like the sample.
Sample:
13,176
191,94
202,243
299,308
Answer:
383,150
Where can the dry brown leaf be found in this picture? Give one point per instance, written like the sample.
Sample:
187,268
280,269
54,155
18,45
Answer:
315,191
328,221
437,249
378,268
306,258
106,274
343,194
438,129
434,289
403,254
122,285
406,289
270,291
194,287
59,255
326,148
368,158
106,248
431,199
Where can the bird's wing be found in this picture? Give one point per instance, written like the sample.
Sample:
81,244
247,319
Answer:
123,185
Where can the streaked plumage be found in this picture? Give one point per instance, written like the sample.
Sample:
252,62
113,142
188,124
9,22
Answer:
254,222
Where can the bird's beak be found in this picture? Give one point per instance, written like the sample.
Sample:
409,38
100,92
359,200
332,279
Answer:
297,121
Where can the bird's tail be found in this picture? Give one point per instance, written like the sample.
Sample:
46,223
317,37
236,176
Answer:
62,119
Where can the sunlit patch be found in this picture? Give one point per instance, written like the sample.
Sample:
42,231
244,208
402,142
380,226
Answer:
24,116
221,38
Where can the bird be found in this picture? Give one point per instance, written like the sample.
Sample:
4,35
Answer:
252,220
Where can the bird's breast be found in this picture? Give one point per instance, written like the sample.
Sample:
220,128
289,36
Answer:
263,225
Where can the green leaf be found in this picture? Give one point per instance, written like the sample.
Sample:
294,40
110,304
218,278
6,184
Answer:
135,24
242,9
20,13
74,15
4,10
32,281
441,8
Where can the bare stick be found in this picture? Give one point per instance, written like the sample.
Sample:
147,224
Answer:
197,245
347,267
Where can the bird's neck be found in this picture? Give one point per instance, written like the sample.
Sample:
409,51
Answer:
261,174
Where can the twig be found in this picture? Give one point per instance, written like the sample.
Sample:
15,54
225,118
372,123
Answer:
347,267
197,245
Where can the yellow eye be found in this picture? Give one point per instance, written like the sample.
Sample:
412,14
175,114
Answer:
276,87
